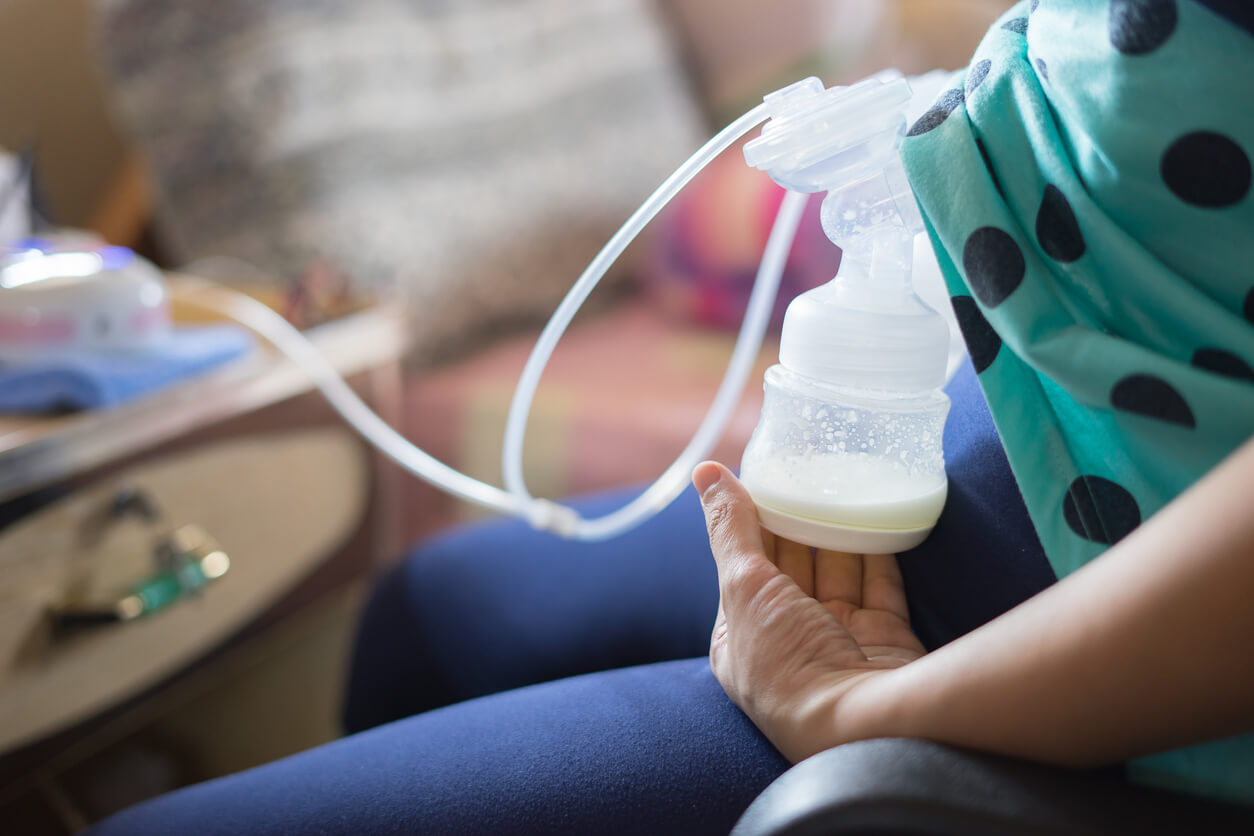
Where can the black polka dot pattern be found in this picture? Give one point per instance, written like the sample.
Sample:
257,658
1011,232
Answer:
977,74
1019,25
1248,307
1223,362
1138,27
1153,397
1057,229
988,164
939,112
982,341
1042,69
1206,169
994,265
1099,510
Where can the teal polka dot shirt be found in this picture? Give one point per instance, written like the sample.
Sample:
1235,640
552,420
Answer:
1086,183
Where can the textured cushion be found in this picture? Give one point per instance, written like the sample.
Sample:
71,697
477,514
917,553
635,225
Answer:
472,154
623,395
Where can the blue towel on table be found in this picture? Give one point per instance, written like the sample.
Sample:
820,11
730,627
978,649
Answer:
90,381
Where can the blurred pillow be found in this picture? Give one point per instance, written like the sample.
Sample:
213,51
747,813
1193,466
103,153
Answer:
473,155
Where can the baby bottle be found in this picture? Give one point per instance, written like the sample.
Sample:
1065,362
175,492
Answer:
847,452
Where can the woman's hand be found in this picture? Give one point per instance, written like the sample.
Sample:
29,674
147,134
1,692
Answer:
798,630
1087,672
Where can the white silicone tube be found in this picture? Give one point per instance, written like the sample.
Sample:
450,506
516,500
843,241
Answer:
290,341
524,392
673,481
761,302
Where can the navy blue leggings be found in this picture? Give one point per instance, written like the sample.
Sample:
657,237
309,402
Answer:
508,682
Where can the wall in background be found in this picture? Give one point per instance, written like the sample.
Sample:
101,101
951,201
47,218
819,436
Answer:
51,94
744,48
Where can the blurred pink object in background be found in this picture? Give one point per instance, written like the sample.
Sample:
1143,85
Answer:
701,256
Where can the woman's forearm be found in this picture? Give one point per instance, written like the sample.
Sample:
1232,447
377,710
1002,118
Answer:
1149,647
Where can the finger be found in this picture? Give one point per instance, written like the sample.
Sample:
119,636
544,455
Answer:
797,562
838,576
735,533
882,586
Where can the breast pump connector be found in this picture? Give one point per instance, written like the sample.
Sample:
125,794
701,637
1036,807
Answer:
847,452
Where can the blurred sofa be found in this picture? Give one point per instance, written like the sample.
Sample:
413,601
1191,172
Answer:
468,159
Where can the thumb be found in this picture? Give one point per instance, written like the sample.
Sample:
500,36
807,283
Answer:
732,521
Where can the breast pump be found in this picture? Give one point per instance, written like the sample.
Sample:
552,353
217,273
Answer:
847,453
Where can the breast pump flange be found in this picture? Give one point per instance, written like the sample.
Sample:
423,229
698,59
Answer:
847,452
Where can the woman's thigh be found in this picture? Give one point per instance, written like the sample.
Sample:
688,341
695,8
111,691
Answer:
497,605
652,749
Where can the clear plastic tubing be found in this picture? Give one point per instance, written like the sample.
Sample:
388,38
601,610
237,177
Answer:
761,302
673,481
516,501
290,341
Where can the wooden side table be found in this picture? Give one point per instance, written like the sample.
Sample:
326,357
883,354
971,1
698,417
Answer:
276,507
249,453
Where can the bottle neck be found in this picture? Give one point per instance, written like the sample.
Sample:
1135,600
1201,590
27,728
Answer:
783,377
874,221
885,260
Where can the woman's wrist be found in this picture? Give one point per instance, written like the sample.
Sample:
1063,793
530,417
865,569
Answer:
877,706
855,705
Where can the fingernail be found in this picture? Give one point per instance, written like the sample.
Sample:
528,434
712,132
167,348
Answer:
706,476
